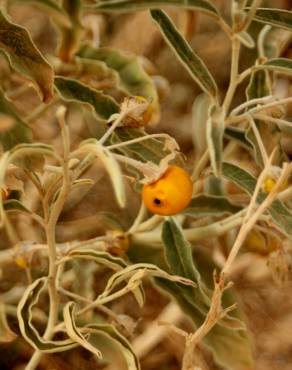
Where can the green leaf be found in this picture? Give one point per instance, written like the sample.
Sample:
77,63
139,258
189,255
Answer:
133,79
134,5
25,316
238,135
74,333
19,132
100,257
72,90
151,149
259,85
110,332
15,205
210,205
185,54
92,146
281,215
251,138
280,65
178,252
24,56
51,6
275,17
215,132
200,114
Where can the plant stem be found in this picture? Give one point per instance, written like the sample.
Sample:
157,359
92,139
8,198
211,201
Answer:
216,229
233,74
52,219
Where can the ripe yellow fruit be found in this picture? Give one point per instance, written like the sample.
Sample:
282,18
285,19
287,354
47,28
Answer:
170,194
257,242
270,183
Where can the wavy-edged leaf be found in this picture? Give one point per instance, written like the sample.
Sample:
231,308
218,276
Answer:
133,79
74,333
24,56
275,17
72,90
152,149
200,114
19,132
52,7
29,332
110,332
139,271
100,257
215,132
134,5
210,205
92,146
281,215
281,65
185,54
6,334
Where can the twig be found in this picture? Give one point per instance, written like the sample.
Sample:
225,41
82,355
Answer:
215,314
251,215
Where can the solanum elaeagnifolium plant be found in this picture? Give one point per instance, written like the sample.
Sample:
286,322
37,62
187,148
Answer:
100,208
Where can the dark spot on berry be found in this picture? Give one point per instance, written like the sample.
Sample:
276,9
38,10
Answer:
157,201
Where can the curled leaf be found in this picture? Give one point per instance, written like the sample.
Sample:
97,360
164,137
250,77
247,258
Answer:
24,56
94,147
72,90
25,316
74,333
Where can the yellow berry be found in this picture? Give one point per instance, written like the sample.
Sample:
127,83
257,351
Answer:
21,262
170,194
263,244
270,183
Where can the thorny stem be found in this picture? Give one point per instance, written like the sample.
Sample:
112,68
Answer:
215,314
50,235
